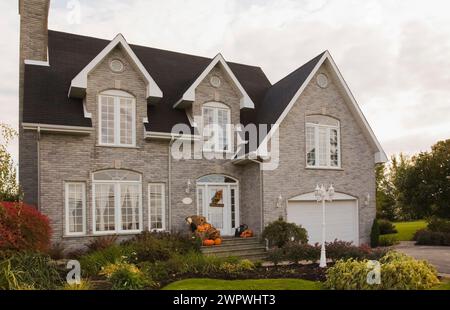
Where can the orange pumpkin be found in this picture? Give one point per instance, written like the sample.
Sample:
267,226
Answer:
247,234
208,242
201,228
206,226
218,241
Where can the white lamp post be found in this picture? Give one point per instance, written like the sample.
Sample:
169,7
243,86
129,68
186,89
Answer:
322,195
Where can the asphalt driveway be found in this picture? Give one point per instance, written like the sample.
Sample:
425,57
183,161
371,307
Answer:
438,256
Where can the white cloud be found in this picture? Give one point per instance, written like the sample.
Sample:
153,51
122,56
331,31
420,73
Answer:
393,54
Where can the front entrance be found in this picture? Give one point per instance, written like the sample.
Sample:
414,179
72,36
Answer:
218,201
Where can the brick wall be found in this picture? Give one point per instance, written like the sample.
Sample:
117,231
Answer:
292,178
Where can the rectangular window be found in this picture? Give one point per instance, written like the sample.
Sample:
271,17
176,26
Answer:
322,146
75,194
200,201
117,121
157,206
216,128
233,207
105,212
130,206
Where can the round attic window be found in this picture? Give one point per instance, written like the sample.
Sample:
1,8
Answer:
116,65
322,80
215,81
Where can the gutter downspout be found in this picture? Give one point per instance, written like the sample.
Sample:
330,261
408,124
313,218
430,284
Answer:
169,186
38,145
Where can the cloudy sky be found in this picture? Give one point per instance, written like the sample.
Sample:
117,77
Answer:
395,55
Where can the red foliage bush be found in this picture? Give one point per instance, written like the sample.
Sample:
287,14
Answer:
22,227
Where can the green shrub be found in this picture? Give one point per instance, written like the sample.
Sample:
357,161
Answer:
152,247
276,256
386,227
295,252
28,271
231,268
56,251
92,263
386,241
280,232
101,243
427,237
374,234
436,224
398,272
125,276
85,285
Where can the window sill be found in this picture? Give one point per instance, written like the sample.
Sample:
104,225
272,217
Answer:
324,168
118,146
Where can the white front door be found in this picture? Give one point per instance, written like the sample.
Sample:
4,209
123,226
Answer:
219,204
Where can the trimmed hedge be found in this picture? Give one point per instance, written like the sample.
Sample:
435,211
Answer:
427,237
296,252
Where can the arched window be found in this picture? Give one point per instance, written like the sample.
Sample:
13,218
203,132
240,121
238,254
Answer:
216,127
117,119
323,142
117,201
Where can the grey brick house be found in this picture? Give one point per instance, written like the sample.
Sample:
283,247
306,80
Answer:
97,121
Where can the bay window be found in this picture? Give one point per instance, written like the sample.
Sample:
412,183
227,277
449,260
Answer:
322,142
117,202
117,120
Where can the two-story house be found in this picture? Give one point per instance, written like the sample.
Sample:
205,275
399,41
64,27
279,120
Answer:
97,138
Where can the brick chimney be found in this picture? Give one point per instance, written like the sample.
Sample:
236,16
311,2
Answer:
33,29
33,46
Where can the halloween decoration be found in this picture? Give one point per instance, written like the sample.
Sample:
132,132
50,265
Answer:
208,242
240,230
216,201
203,230
247,234
218,241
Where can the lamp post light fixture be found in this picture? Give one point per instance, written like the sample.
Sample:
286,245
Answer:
323,195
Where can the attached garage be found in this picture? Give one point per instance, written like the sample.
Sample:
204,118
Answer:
341,217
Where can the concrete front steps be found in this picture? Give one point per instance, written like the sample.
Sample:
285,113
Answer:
248,248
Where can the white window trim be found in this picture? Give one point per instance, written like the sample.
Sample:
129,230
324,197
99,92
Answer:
66,202
218,106
163,200
328,152
117,208
117,95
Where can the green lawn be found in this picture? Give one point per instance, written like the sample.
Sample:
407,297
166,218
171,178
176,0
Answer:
269,284
406,230
445,286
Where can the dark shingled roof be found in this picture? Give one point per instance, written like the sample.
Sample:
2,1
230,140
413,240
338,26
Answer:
46,88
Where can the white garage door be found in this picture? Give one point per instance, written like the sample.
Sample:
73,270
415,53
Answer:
341,220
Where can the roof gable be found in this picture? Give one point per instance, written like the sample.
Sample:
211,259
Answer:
79,83
189,94
296,83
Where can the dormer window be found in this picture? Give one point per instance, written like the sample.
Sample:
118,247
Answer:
323,142
117,119
216,127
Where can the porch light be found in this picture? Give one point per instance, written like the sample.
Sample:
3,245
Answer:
280,201
188,186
